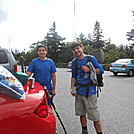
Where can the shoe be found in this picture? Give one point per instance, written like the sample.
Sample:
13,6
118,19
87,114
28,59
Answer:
84,131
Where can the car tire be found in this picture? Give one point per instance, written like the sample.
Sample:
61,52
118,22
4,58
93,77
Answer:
115,73
130,73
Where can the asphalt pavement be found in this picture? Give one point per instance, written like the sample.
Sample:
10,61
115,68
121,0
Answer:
116,104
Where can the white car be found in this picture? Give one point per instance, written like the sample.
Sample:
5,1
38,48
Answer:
69,64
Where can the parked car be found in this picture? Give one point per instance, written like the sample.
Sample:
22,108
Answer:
7,60
69,64
123,66
31,115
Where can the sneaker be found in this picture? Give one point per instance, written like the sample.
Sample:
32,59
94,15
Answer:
84,131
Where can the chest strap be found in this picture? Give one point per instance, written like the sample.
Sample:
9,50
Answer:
84,85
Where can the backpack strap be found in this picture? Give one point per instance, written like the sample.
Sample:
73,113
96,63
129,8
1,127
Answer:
88,87
76,69
76,63
88,58
76,66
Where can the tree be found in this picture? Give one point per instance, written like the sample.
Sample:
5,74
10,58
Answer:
54,42
97,36
121,52
34,45
130,35
111,53
82,38
109,47
129,51
65,55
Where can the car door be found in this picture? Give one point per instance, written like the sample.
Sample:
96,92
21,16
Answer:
132,62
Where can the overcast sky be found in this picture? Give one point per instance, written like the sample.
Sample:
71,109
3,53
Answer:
23,22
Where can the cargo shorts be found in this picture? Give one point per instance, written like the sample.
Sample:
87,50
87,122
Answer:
87,106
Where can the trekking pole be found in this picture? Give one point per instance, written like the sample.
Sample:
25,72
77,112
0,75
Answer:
49,96
98,90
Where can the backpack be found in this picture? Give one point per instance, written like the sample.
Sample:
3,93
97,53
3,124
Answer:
99,77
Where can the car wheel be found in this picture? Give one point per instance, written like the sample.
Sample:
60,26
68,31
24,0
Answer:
130,73
115,73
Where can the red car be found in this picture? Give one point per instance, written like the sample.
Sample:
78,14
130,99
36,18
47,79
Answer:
28,116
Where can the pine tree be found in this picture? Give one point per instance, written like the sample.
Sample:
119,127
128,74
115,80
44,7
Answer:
54,43
97,36
130,35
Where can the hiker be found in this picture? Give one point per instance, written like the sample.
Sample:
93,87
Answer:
44,71
22,61
85,95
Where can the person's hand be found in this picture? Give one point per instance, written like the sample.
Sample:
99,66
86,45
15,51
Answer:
72,92
85,69
53,92
97,71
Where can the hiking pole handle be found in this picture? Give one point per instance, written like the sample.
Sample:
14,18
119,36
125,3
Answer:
97,91
47,93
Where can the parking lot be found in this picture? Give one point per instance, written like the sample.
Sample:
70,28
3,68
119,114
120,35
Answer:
116,104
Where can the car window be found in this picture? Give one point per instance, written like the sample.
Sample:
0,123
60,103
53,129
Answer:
122,61
132,61
3,57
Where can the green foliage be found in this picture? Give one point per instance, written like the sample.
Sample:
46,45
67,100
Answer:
82,39
110,53
61,52
87,49
125,51
97,37
121,52
29,56
110,56
54,43
110,47
130,35
34,45
65,54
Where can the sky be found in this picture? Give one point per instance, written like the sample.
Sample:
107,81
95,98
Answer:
23,22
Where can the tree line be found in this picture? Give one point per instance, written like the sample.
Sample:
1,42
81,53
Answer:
60,51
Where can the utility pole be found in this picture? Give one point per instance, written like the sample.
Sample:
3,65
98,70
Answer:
75,35
9,43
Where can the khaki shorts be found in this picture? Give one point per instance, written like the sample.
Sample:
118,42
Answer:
87,105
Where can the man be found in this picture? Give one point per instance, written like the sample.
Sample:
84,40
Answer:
85,98
22,61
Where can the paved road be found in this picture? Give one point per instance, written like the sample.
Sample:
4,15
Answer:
116,104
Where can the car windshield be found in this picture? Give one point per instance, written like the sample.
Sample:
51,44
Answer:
122,61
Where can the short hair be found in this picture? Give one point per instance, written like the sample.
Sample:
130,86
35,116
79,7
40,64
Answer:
39,46
75,44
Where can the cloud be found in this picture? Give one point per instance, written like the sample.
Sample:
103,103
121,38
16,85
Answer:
3,12
28,21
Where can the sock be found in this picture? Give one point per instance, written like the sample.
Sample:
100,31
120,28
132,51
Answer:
99,132
84,128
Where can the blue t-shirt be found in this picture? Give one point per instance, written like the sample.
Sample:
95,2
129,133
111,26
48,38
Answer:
42,70
81,74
